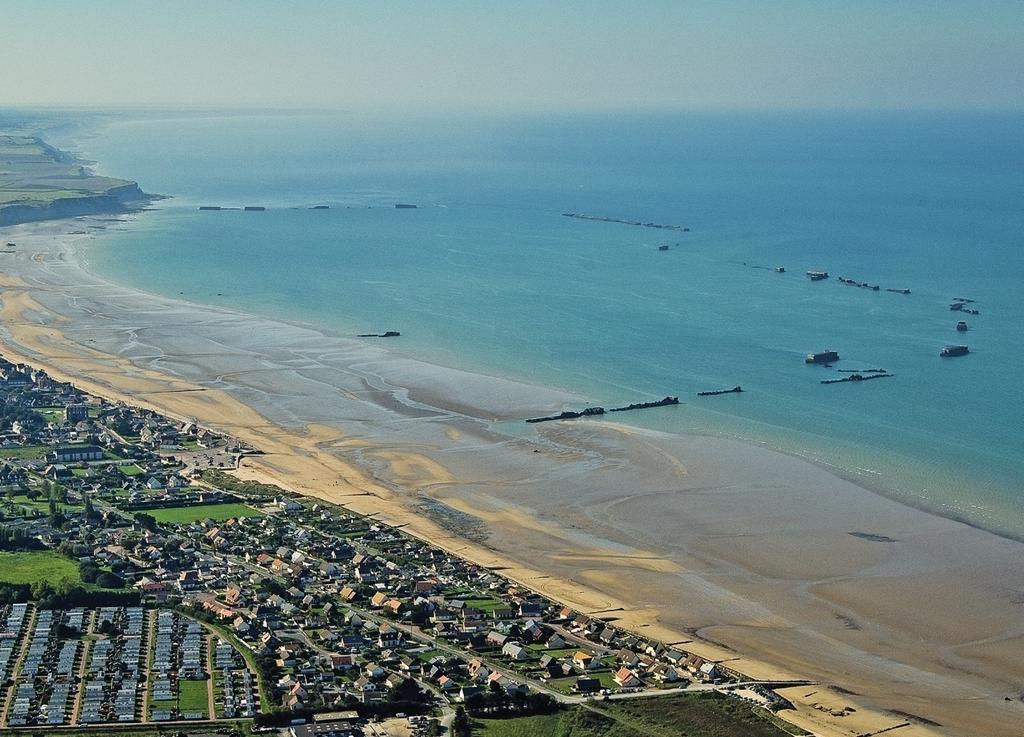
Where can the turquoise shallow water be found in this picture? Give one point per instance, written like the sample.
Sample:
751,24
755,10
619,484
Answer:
487,275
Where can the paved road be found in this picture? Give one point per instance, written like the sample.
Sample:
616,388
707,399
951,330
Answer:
212,713
82,670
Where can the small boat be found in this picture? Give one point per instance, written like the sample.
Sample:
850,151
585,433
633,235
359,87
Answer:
951,351
780,269
961,327
662,248
817,275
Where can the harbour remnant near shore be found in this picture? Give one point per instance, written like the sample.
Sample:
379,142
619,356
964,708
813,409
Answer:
667,401
715,393
569,415
597,411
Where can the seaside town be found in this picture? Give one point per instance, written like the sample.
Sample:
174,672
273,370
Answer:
142,583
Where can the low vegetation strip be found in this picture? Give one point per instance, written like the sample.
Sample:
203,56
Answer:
683,715
704,715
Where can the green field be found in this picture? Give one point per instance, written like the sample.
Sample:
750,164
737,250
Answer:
682,715
485,605
36,196
546,725
51,414
37,566
215,512
25,453
130,469
42,504
193,696
162,705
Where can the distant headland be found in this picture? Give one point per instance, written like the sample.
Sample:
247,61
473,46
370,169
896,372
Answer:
40,182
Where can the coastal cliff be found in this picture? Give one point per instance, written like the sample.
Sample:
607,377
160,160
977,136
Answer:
40,182
126,198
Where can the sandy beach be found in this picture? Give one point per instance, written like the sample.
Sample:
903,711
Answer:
746,554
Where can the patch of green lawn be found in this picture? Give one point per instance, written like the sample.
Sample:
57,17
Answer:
606,677
44,565
52,414
26,452
193,696
544,725
485,605
215,512
42,504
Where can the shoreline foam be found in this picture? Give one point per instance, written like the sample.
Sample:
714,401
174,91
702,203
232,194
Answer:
126,343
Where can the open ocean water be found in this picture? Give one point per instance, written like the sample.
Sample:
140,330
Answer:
486,274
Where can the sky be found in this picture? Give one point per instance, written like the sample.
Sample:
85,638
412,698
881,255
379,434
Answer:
510,56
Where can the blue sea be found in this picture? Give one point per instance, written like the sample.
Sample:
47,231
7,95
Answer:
487,274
